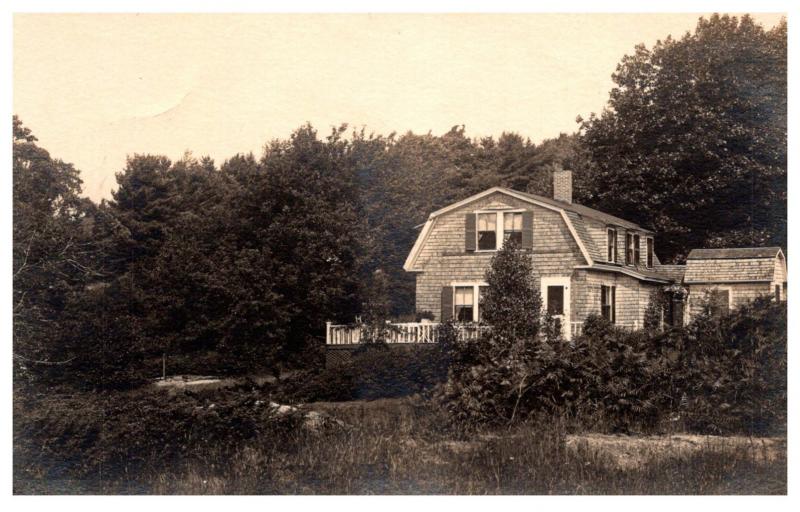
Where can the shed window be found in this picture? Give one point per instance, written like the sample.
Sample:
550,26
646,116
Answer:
611,257
512,227
608,303
464,303
649,252
637,253
487,231
720,301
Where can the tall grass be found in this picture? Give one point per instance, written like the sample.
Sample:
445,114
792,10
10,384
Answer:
386,447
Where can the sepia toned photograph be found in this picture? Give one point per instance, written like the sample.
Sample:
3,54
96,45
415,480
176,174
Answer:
399,254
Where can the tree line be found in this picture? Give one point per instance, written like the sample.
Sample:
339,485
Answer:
248,259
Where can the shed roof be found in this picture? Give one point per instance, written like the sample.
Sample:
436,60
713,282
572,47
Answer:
729,270
734,253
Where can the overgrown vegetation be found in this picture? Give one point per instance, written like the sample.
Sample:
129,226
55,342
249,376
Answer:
140,444
724,373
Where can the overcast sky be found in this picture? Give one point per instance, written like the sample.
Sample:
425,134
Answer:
95,88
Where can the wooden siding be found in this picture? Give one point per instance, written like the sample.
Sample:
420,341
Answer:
598,232
632,296
444,260
740,294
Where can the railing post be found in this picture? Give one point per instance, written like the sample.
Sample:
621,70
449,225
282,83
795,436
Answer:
327,333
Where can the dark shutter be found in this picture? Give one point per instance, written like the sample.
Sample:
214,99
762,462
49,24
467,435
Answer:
469,232
613,304
527,230
447,303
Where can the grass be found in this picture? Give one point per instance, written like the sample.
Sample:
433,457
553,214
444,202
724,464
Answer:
403,446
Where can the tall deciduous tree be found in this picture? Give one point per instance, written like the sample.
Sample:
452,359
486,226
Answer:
693,141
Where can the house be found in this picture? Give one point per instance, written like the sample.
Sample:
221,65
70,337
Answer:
585,261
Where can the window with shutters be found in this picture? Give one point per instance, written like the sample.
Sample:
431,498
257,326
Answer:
512,227
637,253
464,303
487,231
629,248
608,306
611,256
650,252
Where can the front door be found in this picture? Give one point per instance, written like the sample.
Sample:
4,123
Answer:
556,301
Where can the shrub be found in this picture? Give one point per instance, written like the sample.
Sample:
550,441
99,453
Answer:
375,370
101,438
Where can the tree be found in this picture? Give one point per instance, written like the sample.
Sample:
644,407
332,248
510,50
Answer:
492,379
693,141
52,255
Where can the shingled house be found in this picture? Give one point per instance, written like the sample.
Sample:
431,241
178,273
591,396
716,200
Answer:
586,262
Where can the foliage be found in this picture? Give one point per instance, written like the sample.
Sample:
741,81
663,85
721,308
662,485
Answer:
492,377
386,447
374,370
689,122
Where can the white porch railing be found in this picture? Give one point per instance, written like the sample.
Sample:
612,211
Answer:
577,327
405,332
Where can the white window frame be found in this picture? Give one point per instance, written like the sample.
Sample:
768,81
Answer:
629,260
476,285
650,256
565,281
616,244
499,228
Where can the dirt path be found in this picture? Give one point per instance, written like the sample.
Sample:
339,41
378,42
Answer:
633,451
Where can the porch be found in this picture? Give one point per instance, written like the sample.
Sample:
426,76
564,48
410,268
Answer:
421,332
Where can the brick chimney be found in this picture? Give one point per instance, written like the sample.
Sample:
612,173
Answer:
562,185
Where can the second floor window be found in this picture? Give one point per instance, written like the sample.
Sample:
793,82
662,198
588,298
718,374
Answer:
629,248
612,246
512,227
487,231
649,253
637,254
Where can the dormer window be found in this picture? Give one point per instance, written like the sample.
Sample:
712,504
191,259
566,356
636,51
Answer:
629,248
637,250
649,252
487,231
512,227
611,257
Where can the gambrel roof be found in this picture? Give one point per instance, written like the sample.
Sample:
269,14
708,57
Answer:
573,215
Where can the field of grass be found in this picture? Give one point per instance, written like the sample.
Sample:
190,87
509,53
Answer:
403,446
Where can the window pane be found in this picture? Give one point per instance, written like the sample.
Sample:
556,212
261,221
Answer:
487,234
514,236
649,252
487,221
487,240
463,296
512,222
612,246
555,300
464,313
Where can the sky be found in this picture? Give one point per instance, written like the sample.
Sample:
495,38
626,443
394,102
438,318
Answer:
95,88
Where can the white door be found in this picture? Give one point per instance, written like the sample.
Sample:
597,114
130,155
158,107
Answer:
556,300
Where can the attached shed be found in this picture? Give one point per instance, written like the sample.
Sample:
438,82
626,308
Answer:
734,276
